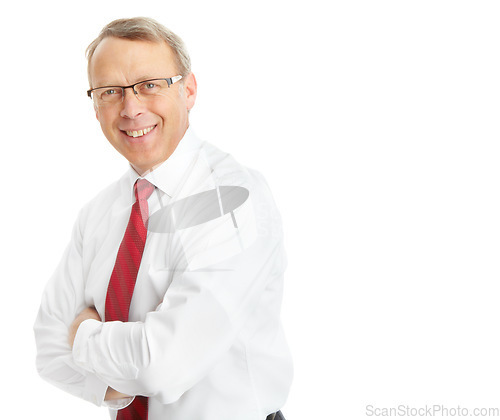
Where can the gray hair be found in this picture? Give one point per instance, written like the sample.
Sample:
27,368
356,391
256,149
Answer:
143,29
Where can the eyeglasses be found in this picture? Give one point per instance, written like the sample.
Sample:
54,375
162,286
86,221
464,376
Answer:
144,90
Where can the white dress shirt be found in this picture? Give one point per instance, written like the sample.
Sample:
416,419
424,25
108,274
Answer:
204,339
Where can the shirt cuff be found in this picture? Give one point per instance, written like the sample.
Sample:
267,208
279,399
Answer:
80,349
119,404
94,390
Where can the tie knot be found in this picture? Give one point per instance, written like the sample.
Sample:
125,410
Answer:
143,189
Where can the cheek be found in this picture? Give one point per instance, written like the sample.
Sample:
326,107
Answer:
106,119
167,107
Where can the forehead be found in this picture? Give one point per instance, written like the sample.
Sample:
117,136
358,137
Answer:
122,61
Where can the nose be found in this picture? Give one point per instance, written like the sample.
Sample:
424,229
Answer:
132,107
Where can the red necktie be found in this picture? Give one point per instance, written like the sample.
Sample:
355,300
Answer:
122,283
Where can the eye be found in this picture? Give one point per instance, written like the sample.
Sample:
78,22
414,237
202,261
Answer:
150,87
110,92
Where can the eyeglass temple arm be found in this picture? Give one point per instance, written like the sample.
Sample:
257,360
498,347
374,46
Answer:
175,79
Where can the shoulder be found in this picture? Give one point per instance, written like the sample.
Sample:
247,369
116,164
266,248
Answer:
237,179
226,170
234,211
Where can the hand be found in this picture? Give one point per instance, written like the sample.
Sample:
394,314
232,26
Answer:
112,394
87,313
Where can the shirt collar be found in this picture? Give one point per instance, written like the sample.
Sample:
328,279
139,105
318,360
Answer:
170,173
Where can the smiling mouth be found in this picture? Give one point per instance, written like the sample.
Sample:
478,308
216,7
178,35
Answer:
139,133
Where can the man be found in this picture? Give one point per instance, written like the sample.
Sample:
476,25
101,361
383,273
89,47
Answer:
166,302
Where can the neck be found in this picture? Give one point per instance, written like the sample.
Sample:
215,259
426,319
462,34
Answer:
143,172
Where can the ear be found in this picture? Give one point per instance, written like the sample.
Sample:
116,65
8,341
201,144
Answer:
190,90
96,112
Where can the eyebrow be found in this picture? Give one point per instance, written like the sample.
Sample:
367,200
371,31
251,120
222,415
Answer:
141,79
147,78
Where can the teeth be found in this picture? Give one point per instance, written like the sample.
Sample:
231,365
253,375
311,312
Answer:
139,133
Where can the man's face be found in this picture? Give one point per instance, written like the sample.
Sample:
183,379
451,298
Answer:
121,62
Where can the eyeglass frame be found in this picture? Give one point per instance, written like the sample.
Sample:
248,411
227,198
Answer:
170,81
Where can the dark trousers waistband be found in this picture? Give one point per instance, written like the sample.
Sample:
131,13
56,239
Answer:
275,416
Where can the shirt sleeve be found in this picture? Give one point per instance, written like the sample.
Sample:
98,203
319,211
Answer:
202,313
62,301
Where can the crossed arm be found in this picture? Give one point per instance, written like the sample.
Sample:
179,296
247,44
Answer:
91,313
204,312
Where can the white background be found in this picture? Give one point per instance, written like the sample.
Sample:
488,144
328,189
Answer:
376,125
